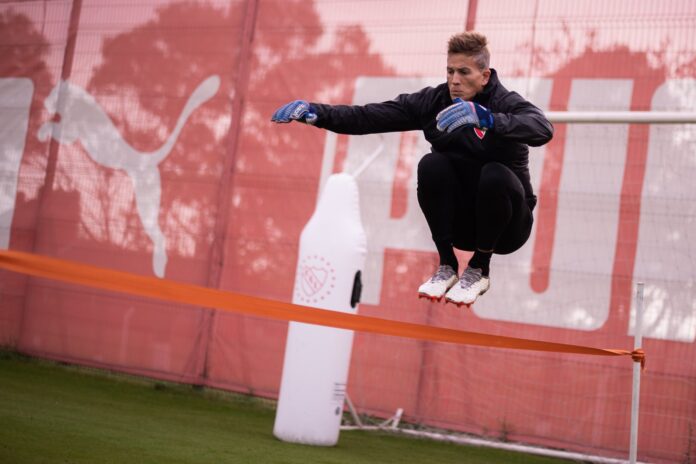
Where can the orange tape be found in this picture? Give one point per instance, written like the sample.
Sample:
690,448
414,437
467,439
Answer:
162,289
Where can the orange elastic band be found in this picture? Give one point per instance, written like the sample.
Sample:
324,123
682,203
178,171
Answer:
152,287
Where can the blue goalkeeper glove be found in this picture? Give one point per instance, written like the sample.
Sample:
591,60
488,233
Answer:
464,114
299,110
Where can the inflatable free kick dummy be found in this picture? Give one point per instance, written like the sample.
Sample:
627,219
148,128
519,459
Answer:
315,370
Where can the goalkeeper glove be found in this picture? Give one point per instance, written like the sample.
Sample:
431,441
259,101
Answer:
464,114
298,110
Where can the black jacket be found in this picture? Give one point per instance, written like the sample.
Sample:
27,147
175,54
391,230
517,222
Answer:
517,124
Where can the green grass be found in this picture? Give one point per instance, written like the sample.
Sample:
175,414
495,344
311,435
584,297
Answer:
52,413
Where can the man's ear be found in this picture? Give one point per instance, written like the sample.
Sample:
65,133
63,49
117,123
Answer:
486,75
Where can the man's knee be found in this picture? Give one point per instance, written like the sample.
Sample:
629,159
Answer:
494,177
432,165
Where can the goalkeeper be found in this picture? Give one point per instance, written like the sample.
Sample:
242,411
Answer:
473,187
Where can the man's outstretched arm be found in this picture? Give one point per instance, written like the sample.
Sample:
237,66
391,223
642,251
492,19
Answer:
390,116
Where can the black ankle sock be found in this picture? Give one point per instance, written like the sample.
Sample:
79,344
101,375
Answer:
447,256
481,260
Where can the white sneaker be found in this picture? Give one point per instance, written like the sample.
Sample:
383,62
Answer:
436,287
471,284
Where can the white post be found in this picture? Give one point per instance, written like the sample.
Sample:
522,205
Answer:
622,117
635,401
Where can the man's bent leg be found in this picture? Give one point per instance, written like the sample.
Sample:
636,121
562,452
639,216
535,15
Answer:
503,221
503,217
437,197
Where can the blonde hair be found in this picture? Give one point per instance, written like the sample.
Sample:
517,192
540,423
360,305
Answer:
472,44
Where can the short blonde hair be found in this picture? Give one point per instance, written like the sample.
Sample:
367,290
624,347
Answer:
472,44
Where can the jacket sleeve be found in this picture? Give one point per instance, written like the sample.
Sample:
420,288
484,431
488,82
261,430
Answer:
521,121
390,116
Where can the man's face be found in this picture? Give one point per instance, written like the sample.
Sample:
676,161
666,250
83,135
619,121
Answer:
464,78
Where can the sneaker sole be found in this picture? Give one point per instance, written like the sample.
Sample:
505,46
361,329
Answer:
425,296
436,298
459,304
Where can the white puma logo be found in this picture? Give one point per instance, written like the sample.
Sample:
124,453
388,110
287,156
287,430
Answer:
81,118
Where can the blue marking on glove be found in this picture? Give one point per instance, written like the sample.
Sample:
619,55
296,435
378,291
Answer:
464,114
298,110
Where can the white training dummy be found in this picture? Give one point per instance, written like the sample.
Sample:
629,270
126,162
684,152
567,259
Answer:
315,371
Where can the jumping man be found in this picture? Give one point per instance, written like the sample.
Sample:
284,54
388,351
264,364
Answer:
473,187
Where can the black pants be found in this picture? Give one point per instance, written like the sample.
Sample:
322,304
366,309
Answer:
473,205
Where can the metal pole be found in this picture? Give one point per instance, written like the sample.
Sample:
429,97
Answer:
622,117
635,401
216,262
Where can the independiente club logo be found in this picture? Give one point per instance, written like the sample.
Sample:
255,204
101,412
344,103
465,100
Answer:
315,280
